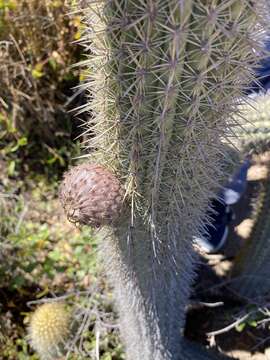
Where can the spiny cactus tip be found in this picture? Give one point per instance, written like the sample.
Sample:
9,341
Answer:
49,329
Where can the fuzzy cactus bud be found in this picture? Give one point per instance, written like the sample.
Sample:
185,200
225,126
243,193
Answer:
91,195
49,329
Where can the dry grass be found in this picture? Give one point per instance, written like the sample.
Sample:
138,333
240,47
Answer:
37,50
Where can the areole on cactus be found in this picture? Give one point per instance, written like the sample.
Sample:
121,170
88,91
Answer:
164,77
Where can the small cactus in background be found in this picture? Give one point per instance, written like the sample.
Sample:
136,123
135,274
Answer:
164,78
91,195
254,116
49,330
252,263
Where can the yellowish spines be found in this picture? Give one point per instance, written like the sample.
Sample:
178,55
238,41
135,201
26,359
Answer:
49,329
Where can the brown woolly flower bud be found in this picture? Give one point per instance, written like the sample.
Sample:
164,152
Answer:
91,195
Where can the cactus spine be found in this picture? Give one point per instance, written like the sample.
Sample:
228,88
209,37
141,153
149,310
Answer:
163,78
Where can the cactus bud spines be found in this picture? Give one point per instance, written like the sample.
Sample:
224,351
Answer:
91,195
49,329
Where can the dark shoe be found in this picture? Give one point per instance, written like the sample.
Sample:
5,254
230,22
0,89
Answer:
215,234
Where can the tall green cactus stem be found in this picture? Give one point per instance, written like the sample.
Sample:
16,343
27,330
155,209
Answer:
254,133
163,78
252,264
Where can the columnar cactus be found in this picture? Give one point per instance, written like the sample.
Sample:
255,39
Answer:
164,76
252,263
49,330
254,133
